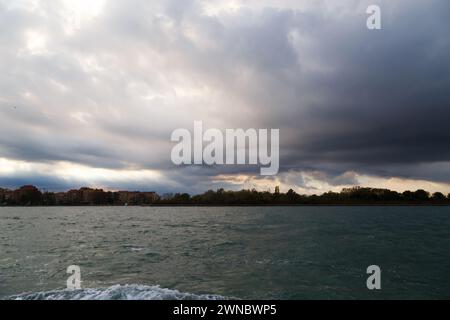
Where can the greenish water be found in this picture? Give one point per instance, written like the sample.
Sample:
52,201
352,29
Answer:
241,252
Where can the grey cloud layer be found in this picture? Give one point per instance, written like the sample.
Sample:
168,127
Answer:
345,98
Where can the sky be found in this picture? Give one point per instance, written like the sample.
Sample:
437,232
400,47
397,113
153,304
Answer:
91,90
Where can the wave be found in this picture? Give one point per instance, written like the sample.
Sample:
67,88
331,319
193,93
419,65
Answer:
117,292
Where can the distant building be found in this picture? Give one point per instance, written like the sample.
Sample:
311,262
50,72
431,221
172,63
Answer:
73,196
136,198
27,195
90,196
30,195
61,198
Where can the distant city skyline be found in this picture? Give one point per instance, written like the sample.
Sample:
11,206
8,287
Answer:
91,91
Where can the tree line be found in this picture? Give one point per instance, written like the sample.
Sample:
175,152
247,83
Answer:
348,196
31,196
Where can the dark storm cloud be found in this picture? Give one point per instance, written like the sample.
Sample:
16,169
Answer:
386,102
45,183
364,100
106,90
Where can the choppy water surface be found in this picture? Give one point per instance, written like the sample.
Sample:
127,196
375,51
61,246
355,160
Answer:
213,253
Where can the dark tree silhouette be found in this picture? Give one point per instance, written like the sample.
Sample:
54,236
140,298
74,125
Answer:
438,196
31,196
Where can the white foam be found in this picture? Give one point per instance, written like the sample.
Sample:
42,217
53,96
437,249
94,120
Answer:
117,292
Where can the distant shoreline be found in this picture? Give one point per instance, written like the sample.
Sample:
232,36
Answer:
30,196
244,205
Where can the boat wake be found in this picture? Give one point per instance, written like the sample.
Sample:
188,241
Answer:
117,292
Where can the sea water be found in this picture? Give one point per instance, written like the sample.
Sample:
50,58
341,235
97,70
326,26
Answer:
225,252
